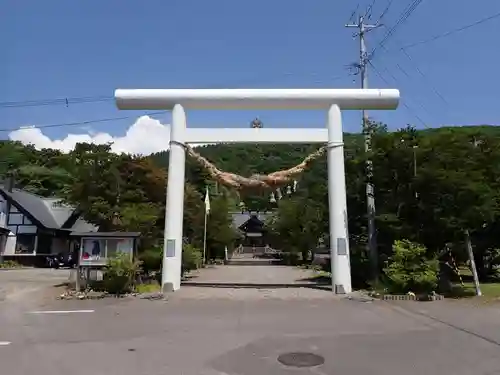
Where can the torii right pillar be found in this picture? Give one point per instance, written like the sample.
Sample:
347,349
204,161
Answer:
337,205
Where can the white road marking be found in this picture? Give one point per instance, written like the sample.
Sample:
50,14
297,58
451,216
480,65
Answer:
5,343
61,311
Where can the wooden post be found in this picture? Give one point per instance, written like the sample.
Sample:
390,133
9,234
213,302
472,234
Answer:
472,262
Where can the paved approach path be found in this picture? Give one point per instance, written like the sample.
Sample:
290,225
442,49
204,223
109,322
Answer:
251,282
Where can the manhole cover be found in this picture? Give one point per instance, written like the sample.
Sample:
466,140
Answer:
301,359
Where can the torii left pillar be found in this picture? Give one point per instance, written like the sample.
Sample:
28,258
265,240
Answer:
172,247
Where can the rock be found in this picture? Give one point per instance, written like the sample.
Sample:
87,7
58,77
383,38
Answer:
152,296
95,295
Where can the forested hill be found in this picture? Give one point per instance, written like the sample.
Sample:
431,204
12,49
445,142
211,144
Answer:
445,144
246,159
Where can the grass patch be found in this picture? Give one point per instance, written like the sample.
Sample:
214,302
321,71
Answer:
10,264
488,290
147,288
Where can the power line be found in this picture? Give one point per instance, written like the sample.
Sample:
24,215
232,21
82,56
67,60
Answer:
368,13
67,101
87,99
353,14
451,32
60,101
410,110
418,103
402,19
419,71
434,89
384,12
80,123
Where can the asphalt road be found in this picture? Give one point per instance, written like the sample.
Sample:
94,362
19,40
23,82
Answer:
209,334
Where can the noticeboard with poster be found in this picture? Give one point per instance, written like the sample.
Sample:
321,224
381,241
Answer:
96,251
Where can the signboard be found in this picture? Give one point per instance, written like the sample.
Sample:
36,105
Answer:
341,246
170,249
250,234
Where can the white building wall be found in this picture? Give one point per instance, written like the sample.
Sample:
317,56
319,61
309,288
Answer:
10,245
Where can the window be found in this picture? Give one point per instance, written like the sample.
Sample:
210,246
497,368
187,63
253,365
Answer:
26,229
111,247
25,244
15,219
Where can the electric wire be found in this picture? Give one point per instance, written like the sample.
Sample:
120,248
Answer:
67,101
426,81
352,19
80,123
402,19
61,101
384,12
418,103
451,32
434,89
408,108
95,121
368,12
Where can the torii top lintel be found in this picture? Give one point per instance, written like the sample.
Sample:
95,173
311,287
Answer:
351,99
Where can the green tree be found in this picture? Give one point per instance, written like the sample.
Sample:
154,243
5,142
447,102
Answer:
297,226
220,231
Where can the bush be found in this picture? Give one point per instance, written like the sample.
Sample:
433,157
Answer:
360,267
408,269
191,258
151,260
10,264
120,274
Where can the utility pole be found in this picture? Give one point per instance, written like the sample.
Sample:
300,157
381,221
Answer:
363,29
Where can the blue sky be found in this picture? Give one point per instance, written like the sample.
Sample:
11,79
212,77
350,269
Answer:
55,49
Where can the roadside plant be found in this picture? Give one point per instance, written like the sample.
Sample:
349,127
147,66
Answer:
408,269
120,274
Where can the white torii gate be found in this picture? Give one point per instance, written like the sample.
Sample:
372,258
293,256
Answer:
332,100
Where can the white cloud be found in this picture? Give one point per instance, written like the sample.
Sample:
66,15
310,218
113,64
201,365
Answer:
145,136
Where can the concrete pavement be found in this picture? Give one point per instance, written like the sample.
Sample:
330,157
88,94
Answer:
213,335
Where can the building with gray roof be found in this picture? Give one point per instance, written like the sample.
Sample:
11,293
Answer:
35,226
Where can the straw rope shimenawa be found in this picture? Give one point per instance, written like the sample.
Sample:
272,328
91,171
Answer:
270,181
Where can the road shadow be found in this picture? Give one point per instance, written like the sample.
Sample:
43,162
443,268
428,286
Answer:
317,280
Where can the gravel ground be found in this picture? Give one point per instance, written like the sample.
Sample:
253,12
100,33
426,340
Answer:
16,283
